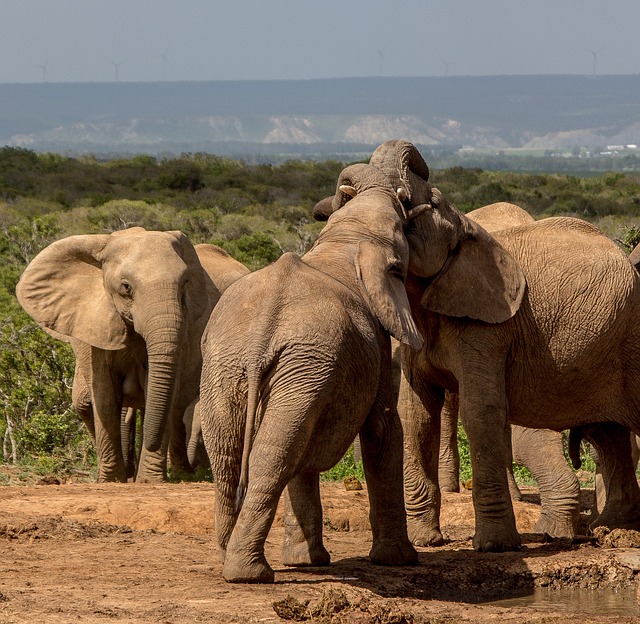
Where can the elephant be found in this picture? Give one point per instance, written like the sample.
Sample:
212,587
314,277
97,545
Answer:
540,450
223,269
133,304
296,362
533,325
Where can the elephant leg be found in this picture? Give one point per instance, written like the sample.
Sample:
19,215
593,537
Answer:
483,411
111,465
152,467
514,490
178,455
81,400
421,428
244,560
542,452
381,440
303,522
613,445
449,460
128,440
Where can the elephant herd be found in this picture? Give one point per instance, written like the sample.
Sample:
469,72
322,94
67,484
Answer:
515,325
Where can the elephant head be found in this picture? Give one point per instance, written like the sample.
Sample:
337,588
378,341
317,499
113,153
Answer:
375,220
468,273
109,290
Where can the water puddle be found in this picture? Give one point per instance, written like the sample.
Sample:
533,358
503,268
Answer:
623,602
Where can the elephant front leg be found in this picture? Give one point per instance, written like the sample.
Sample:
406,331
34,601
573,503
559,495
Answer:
111,464
421,457
483,415
303,523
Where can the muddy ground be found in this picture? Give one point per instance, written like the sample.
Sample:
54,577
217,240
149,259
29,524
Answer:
78,552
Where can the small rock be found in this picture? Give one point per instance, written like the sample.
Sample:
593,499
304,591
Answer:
352,483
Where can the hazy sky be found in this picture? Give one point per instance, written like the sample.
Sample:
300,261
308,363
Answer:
143,40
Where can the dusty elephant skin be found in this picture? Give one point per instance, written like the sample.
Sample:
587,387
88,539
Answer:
540,450
296,362
133,304
541,318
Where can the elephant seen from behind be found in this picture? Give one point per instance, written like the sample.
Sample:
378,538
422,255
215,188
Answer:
296,362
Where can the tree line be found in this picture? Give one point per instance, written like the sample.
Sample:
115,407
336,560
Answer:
255,211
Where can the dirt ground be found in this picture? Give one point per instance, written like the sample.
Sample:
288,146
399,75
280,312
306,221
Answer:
146,553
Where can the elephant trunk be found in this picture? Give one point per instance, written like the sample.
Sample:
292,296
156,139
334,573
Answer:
163,336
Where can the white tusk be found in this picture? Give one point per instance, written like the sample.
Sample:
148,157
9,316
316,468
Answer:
348,190
418,210
401,193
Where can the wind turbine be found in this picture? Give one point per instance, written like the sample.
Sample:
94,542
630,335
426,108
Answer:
116,67
446,65
165,61
44,71
380,59
595,59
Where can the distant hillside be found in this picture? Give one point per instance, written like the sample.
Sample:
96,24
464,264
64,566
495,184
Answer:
323,117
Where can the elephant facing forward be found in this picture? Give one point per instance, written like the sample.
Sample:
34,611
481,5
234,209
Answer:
296,362
133,304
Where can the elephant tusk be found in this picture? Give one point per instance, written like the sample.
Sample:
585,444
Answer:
348,190
418,210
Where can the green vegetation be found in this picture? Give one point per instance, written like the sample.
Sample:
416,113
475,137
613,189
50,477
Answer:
256,212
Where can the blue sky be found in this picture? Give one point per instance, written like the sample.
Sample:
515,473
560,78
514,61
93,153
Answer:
147,40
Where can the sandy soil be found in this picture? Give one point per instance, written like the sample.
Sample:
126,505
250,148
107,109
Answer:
146,553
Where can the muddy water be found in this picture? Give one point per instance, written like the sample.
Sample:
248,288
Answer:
623,602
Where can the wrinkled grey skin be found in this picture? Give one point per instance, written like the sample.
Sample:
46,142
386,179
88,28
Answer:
223,270
133,305
540,450
501,332
296,362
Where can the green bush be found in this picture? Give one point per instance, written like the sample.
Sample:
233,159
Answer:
346,467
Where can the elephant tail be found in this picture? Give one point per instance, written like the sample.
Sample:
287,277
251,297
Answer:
575,439
250,426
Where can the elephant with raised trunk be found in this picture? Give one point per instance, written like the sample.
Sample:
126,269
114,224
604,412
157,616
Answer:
296,362
535,325
133,304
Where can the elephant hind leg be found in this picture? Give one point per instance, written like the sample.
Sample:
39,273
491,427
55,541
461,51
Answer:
303,522
613,445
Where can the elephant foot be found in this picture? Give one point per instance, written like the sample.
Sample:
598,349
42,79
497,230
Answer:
393,553
151,478
243,570
496,539
423,533
557,527
627,517
301,554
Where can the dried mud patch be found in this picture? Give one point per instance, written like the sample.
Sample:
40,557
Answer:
147,553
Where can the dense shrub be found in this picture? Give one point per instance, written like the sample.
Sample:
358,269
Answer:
255,211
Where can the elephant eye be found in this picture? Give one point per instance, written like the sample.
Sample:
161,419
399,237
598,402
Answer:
396,270
125,289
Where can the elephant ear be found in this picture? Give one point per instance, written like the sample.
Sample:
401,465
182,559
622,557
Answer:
481,280
221,267
387,296
62,290
200,288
